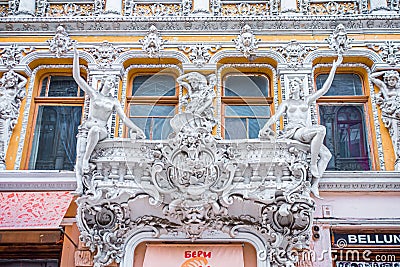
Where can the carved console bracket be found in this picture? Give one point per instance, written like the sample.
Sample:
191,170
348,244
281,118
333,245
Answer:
193,184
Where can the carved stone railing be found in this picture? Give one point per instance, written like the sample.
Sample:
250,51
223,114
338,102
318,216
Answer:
193,187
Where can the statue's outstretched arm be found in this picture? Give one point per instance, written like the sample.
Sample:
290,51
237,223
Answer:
281,110
139,133
77,75
327,83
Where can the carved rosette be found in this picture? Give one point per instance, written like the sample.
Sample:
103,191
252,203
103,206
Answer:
192,185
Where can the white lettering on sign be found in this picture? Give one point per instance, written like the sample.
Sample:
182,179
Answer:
352,239
385,239
362,239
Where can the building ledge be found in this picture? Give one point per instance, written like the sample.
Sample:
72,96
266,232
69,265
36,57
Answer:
375,181
30,180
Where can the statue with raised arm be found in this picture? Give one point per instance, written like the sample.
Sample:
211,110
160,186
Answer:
389,100
299,126
12,91
200,96
101,106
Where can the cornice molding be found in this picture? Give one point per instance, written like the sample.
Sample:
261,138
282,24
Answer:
370,181
37,181
177,25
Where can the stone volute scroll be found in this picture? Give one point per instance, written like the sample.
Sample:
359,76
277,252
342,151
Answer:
388,99
12,92
299,127
94,128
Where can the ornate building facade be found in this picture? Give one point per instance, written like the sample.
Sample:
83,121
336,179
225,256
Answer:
199,133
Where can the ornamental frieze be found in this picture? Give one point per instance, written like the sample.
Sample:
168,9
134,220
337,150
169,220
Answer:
85,24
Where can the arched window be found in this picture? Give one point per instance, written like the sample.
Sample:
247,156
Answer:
342,111
58,115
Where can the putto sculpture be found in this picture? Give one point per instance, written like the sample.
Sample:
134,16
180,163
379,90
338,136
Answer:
12,92
298,125
200,96
389,100
102,104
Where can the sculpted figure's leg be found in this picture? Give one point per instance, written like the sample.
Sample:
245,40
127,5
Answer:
325,157
92,140
315,145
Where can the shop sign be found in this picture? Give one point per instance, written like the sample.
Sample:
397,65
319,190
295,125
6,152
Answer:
363,239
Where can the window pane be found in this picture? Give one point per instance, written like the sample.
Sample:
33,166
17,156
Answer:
153,85
54,144
343,84
235,128
246,85
345,137
153,119
60,86
242,122
255,126
247,111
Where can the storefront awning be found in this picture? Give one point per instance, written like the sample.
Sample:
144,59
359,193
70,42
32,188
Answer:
33,210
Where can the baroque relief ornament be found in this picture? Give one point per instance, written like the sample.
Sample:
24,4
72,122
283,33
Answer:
61,42
152,43
246,42
193,186
338,40
12,55
199,54
389,100
294,52
12,92
389,52
105,54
